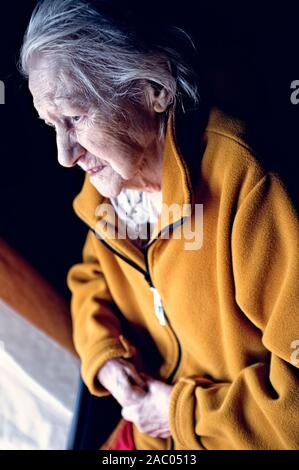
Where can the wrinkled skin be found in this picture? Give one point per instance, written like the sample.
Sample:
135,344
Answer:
133,161
145,401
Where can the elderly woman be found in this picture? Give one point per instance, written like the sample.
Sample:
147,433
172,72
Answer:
197,342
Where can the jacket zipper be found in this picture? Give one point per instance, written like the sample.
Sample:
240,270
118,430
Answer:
161,314
159,309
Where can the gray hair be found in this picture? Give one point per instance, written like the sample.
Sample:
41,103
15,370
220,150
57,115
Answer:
109,57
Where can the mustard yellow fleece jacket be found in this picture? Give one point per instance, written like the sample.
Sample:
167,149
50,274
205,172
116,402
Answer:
231,338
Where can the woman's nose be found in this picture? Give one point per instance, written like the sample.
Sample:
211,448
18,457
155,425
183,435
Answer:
68,152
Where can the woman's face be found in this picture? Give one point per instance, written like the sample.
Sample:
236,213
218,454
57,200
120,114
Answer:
131,158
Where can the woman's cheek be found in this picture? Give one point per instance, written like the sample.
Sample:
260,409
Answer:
108,182
122,157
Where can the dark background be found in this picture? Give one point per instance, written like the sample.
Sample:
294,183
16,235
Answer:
248,57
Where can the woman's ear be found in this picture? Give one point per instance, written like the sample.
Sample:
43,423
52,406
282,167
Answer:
158,98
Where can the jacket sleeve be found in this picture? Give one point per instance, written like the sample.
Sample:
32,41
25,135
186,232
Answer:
96,327
259,409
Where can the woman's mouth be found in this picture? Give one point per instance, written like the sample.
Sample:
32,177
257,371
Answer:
95,170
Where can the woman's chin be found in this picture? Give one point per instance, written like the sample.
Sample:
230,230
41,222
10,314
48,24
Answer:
110,193
109,189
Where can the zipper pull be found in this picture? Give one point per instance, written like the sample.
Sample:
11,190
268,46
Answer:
159,310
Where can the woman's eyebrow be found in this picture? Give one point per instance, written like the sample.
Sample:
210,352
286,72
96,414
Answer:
71,100
65,97
68,97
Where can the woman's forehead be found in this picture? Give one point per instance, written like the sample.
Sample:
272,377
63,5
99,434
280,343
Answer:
50,73
46,86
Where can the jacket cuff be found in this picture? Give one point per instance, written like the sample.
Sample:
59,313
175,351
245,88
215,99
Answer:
97,356
182,413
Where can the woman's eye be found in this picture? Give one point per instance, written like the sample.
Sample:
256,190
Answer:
76,118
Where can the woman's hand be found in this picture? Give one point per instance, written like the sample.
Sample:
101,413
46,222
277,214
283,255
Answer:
123,381
145,401
151,413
